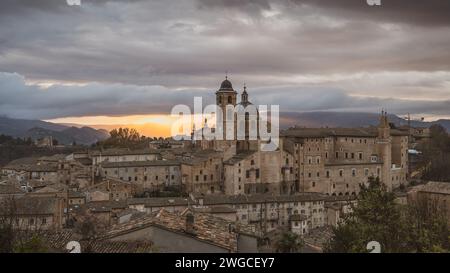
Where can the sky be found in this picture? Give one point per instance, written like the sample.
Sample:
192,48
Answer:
129,62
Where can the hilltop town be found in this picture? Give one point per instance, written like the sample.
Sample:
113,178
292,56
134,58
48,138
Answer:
213,195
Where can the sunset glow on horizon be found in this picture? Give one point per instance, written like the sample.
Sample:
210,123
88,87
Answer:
147,125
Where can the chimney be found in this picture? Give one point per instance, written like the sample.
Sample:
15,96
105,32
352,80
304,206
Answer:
190,223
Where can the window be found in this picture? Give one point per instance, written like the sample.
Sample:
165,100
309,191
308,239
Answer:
318,174
341,173
313,184
230,100
353,172
360,156
337,154
346,155
328,174
247,174
353,155
257,173
309,174
196,178
366,172
252,162
156,178
212,177
205,177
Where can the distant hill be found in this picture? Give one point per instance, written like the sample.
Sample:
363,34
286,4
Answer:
86,134
37,129
346,119
16,127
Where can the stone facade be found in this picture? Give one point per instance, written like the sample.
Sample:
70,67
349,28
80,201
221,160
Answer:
148,176
336,161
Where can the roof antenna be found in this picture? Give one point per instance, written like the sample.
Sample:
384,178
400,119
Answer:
226,75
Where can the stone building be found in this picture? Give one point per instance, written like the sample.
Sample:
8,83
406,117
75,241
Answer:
246,168
33,213
202,172
147,176
434,196
124,155
336,161
116,189
269,212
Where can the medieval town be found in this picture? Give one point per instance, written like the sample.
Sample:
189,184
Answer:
224,134
214,195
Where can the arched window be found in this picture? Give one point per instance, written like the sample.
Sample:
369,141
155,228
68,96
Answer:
230,100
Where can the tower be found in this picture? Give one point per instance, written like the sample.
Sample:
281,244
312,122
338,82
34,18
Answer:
226,95
384,149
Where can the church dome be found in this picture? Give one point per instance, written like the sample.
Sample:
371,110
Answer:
226,86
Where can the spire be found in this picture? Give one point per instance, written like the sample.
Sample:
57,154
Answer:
383,119
244,95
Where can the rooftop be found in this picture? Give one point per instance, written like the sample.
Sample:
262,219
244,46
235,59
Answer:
151,163
32,205
215,199
207,228
436,187
369,132
119,152
58,241
159,201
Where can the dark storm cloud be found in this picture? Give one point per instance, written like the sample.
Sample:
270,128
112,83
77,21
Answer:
396,50
29,101
417,12
250,6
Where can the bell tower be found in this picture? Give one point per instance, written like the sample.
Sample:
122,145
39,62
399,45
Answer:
384,149
226,95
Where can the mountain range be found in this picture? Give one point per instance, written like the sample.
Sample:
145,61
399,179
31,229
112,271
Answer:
63,134
348,119
69,133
